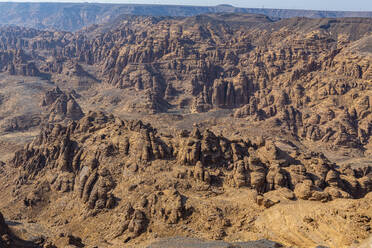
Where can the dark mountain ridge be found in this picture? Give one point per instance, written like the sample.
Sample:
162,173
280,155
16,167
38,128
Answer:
74,16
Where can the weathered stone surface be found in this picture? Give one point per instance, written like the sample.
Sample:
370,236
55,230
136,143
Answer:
257,120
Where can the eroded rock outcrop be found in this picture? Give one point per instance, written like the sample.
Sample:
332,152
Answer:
9,240
61,106
298,77
312,81
80,152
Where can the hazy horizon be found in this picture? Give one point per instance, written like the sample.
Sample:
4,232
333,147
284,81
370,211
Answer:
330,5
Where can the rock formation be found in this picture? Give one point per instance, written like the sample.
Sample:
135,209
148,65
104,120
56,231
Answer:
9,240
61,106
88,160
251,121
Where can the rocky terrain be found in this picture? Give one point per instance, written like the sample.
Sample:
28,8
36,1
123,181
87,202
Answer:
214,130
74,16
9,240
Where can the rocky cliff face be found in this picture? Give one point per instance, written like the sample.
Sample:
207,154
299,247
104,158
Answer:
265,76
260,164
95,162
310,77
9,240
56,106
18,63
247,114
3,231
61,106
